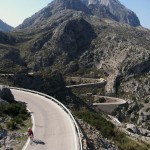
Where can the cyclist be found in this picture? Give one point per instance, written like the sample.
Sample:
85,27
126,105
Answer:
30,133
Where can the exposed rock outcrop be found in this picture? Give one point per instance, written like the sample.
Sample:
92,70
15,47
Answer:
93,138
112,9
6,94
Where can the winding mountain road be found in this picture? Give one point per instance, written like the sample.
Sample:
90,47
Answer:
53,126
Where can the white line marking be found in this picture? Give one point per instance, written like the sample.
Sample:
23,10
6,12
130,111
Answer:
33,127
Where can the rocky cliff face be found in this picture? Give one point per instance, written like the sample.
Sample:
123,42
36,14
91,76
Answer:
112,9
5,94
5,27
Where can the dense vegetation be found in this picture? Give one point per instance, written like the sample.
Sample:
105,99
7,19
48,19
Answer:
16,114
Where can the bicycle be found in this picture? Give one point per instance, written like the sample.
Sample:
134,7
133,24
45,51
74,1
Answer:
30,134
31,139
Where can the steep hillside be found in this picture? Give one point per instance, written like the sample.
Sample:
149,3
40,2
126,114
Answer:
10,60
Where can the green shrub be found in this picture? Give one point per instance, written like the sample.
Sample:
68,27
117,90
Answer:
23,116
11,125
18,120
1,128
14,110
146,101
17,112
148,109
101,100
124,143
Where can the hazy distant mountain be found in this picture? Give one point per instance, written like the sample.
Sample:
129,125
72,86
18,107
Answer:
5,27
114,9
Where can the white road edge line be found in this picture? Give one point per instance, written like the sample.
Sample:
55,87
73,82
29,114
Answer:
33,127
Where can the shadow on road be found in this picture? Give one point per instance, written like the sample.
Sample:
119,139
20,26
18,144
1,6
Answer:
38,141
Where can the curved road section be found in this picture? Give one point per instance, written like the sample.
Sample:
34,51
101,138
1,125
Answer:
113,101
53,126
110,104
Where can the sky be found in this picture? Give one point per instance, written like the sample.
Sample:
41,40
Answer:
141,8
13,12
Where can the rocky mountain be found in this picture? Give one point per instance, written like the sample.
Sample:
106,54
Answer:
5,27
112,9
6,95
67,36
53,8
66,32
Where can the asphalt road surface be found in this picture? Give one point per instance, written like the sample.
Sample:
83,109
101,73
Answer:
53,127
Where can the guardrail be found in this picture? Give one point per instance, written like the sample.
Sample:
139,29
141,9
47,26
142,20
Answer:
87,84
60,104
7,74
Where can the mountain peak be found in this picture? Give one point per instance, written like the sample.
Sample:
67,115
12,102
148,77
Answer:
53,8
5,27
110,9
71,4
115,10
108,2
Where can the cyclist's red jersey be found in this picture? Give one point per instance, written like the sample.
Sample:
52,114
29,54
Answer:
30,132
